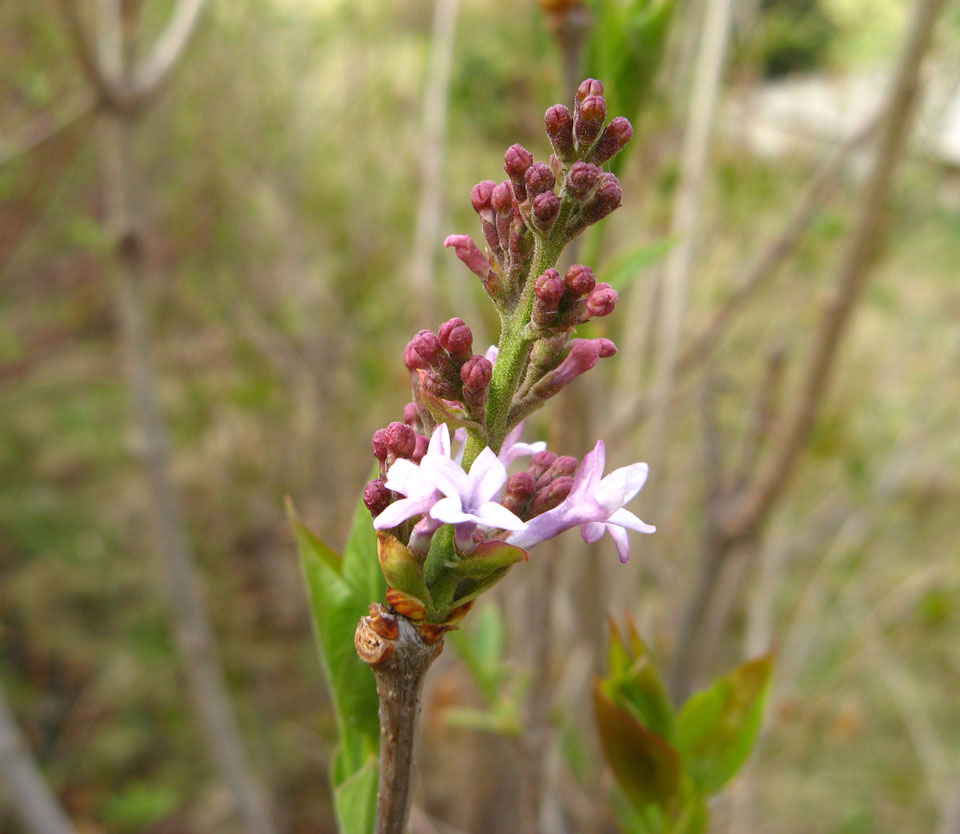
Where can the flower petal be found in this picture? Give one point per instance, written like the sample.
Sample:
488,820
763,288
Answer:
496,515
627,519
592,531
487,475
590,471
450,511
445,474
398,512
621,540
619,487
440,441
403,476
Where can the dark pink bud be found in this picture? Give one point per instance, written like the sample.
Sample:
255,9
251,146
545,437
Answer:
606,200
559,124
602,301
607,348
540,463
546,207
468,252
563,466
456,338
502,198
516,161
421,449
411,358
401,440
517,492
480,199
589,120
613,140
580,280
427,347
549,288
379,445
475,375
539,178
582,179
411,415
376,496
551,495
589,87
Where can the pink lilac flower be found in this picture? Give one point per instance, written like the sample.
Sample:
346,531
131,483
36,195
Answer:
595,503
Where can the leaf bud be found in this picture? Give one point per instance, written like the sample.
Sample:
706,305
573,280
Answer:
559,125
456,338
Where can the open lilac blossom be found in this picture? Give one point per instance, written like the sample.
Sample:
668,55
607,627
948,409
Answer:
512,447
412,481
595,503
469,500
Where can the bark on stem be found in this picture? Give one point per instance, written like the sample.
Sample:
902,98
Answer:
400,656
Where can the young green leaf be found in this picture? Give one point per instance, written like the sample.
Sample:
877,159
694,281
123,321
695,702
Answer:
361,567
716,727
647,767
355,800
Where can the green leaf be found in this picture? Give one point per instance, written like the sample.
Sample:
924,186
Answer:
645,765
355,800
488,557
469,589
361,566
694,818
336,607
716,728
629,265
636,685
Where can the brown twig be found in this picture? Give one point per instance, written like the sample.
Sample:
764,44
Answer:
853,273
400,657
29,795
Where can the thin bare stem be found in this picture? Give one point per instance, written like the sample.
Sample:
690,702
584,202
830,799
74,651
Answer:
166,51
400,658
686,216
43,129
29,795
853,273
430,206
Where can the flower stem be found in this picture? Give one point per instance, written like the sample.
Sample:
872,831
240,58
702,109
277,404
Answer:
400,658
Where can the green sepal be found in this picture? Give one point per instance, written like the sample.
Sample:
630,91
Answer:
401,568
488,557
716,727
646,766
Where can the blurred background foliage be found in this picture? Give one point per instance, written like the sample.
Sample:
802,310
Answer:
278,181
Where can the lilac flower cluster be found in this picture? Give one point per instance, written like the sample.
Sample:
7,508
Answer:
424,486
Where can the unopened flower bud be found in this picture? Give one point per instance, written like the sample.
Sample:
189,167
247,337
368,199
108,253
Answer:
516,161
607,348
564,465
517,492
589,120
456,338
423,444
502,198
379,445
539,178
376,496
427,347
582,178
602,300
546,207
468,252
480,199
559,125
613,140
411,358
548,291
401,440
580,280
551,495
541,462
606,199
475,375
588,87
411,415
